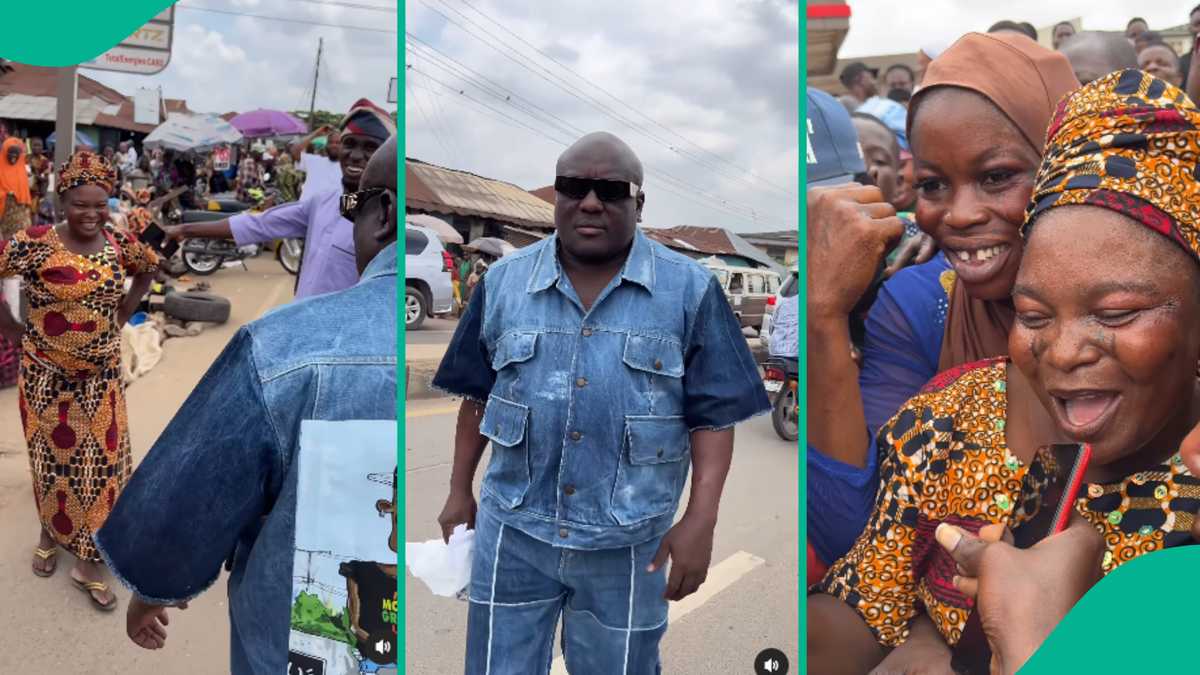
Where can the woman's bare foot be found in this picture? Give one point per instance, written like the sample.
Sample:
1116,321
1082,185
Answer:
45,556
89,577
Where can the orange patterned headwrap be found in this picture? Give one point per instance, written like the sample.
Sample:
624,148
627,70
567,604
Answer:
1128,142
86,168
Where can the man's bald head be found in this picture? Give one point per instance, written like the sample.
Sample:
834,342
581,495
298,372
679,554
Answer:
600,155
595,232
375,223
1093,54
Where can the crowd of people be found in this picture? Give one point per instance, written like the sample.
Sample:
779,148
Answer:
1003,258
81,271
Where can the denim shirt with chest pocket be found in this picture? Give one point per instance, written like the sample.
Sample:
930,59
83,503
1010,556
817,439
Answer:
589,413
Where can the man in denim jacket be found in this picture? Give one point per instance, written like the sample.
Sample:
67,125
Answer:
599,365
221,479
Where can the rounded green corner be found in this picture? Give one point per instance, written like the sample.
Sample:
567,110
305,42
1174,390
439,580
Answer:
1112,628
73,32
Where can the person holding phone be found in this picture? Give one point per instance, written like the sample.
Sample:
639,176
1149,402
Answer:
1106,339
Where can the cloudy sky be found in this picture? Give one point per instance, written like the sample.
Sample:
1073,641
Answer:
222,62
885,27
705,92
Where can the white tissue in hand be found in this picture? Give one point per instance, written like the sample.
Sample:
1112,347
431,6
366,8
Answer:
445,568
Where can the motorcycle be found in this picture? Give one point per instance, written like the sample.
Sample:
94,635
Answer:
782,381
205,256
289,253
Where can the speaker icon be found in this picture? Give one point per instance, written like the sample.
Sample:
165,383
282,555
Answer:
771,662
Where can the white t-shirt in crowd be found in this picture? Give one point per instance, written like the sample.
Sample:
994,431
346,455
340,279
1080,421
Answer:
321,174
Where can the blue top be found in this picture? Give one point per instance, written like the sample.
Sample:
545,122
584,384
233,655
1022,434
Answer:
220,483
589,411
900,354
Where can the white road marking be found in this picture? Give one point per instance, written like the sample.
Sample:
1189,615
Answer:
720,576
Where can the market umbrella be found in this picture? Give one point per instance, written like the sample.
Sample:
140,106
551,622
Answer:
263,122
192,132
444,230
497,248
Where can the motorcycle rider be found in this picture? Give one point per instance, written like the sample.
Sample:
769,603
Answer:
328,263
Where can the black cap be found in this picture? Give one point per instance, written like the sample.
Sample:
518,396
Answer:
851,72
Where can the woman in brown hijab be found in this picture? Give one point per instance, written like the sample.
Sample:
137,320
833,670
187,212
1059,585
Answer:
977,126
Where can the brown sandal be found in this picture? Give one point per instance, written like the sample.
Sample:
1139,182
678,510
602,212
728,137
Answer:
49,559
92,587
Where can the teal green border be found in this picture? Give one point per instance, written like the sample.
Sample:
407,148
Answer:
402,379
801,664
77,32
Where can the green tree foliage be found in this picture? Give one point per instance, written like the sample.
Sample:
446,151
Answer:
319,117
310,615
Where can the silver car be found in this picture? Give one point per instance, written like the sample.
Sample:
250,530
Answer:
427,287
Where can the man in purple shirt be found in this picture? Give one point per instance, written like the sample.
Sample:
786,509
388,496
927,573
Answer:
328,263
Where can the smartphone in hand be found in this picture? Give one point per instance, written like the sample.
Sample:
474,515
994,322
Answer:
1056,474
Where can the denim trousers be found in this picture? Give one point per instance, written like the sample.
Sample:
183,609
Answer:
613,610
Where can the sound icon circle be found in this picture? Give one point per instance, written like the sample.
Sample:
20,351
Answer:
771,662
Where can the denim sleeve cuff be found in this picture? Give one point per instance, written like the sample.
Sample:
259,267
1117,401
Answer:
721,426
115,569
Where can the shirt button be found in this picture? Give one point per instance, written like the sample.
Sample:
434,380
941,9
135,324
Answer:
575,435
587,332
563,533
569,490
581,382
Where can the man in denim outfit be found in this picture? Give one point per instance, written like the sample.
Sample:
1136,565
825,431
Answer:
220,483
599,365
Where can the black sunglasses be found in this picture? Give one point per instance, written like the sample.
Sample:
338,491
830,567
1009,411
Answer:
353,202
606,190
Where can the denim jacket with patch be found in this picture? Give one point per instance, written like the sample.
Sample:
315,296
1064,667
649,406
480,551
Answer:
221,479
589,413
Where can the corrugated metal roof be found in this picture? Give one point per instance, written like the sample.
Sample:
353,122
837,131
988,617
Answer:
44,108
441,190
711,240
30,93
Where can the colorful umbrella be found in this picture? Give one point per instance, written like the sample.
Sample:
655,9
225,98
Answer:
263,122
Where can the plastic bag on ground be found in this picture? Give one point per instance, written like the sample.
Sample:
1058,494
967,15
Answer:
445,568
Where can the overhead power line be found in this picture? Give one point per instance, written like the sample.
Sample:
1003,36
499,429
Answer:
583,95
508,98
353,5
265,17
629,107
668,183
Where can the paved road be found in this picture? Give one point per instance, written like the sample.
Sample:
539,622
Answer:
46,624
432,332
748,604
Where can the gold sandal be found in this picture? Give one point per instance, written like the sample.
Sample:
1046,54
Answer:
91,587
46,555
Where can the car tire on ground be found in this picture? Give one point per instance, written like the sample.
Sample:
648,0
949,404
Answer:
415,308
196,306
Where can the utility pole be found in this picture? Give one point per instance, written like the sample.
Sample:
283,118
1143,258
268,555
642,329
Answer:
312,104
64,125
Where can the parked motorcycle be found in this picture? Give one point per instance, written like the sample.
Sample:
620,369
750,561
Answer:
205,256
782,381
289,253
